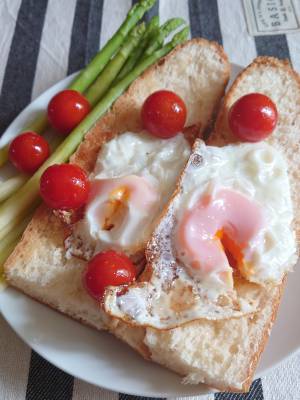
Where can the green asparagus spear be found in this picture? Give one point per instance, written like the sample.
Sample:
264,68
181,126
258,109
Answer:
3,257
134,57
13,223
88,74
105,79
13,235
5,253
164,31
12,210
11,185
3,155
9,243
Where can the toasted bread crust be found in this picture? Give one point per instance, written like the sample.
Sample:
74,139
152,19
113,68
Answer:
265,336
42,219
222,135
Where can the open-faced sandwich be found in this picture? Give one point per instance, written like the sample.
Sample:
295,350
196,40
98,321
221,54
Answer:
218,258
178,246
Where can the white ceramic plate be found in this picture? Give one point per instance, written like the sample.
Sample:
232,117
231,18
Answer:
99,358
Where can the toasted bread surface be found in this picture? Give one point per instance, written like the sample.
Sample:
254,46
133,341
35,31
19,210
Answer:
225,354
282,84
198,71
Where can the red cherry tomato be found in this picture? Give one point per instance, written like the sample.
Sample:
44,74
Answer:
67,109
253,117
64,187
28,151
164,114
107,269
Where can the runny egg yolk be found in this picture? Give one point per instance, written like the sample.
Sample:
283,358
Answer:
214,234
115,206
232,250
234,253
119,209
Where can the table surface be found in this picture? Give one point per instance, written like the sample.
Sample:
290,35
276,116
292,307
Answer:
43,41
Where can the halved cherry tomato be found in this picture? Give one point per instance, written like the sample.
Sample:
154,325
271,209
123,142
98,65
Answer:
67,109
64,187
107,269
28,151
253,117
164,114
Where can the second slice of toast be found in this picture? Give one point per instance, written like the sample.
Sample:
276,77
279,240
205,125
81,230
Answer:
224,354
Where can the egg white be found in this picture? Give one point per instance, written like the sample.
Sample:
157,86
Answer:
173,296
159,162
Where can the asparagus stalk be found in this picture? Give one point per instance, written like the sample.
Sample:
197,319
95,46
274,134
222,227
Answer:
151,28
11,185
12,210
166,29
5,253
8,244
14,222
3,257
89,74
105,79
14,235
4,154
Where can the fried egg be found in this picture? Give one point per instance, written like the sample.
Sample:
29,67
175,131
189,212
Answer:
134,177
225,239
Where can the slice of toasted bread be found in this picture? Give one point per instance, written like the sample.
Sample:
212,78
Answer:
198,71
224,354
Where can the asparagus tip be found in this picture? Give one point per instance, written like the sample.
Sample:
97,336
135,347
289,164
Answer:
154,21
147,3
143,4
171,25
139,29
181,36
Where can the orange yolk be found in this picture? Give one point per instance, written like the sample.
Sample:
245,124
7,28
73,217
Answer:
115,206
214,234
232,250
